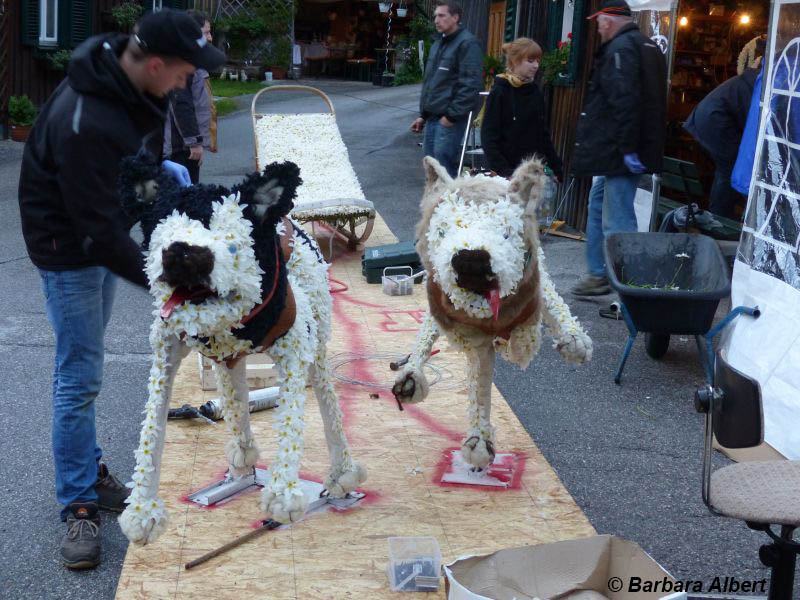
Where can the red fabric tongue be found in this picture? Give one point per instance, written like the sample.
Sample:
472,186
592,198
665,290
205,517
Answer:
493,296
178,296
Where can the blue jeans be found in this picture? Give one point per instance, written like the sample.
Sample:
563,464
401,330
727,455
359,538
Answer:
78,305
444,143
610,210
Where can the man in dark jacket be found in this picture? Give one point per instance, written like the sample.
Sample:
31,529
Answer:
191,115
453,80
620,132
717,123
110,106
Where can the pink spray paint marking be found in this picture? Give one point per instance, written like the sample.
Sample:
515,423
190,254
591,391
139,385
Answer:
508,471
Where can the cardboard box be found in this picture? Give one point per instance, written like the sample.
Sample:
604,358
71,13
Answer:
583,569
260,372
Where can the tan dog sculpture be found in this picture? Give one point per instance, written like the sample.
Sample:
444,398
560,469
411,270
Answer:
487,288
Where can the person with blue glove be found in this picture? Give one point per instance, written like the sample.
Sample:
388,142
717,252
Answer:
620,133
110,106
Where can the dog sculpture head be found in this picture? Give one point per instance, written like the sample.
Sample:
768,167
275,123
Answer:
209,248
478,235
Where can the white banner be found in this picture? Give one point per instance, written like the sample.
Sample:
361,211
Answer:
767,269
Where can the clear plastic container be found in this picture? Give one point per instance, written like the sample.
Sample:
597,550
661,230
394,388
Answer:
415,564
400,284
547,206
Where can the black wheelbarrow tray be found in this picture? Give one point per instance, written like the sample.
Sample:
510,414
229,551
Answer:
668,284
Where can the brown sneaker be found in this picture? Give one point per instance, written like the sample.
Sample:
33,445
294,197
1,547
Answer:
591,285
111,492
80,548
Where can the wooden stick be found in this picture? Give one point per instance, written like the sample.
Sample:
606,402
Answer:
266,525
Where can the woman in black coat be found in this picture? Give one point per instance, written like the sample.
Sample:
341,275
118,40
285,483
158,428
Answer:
514,126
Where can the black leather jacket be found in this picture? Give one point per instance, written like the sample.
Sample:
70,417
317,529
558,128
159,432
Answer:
625,109
453,77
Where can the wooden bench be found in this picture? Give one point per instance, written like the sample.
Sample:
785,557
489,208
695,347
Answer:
680,179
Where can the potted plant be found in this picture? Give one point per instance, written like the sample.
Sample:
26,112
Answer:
21,114
280,57
555,63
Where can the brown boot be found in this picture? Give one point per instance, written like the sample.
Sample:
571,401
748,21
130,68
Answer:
111,492
80,548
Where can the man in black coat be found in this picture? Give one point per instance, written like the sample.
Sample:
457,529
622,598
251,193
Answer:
110,106
620,132
451,87
717,123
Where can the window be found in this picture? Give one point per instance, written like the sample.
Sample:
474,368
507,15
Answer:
565,29
157,5
48,23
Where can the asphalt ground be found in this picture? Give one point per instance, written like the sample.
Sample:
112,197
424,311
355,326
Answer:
630,454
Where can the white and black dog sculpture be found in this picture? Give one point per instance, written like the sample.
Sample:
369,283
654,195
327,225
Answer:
230,275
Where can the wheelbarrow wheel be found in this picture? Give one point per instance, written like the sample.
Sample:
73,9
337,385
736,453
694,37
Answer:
656,344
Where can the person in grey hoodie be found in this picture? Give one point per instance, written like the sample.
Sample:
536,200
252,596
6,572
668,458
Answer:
451,86
191,126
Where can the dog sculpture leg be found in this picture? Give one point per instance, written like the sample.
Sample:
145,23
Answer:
478,448
145,519
569,338
241,450
345,474
411,385
293,354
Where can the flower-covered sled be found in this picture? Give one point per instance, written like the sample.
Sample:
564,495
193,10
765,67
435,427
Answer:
330,191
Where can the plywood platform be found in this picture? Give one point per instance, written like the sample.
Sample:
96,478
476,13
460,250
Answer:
335,555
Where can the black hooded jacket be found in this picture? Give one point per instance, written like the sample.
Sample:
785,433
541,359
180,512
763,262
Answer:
515,128
68,187
625,110
718,121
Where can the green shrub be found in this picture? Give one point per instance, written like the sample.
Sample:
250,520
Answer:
126,15
58,61
240,30
555,62
492,66
21,110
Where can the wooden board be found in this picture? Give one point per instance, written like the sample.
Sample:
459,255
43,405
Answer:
343,555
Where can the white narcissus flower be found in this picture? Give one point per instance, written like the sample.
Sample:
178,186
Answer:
496,226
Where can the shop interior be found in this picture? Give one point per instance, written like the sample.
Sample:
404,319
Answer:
348,38
709,41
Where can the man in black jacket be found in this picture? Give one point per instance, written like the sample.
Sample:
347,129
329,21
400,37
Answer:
717,123
451,87
110,106
620,132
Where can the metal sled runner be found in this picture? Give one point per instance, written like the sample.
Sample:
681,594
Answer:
330,192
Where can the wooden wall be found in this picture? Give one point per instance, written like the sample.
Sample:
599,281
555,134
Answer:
564,104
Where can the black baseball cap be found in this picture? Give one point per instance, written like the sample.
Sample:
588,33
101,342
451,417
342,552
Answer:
613,8
174,33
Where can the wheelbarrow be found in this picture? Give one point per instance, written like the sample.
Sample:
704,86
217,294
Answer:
669,284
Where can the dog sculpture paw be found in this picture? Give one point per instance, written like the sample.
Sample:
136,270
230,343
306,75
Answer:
478,452
576,348
411,386
241,460
340,485
284,507
143,524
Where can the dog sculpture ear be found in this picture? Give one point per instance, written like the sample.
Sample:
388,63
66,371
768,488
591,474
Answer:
271,192
435,173
527,183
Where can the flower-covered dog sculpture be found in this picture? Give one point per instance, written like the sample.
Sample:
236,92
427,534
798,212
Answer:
487,288
231,275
